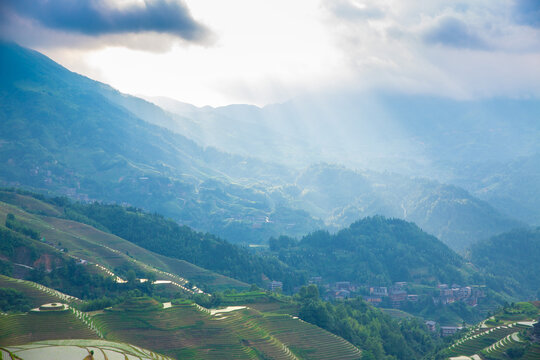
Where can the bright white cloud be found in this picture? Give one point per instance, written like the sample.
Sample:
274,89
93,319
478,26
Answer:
269,51
453,49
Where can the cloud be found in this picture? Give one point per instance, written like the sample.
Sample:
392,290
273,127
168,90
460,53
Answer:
457,49
453,32
527,12
96,17
354,10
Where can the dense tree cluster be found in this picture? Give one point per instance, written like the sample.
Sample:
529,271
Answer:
166,237
377,334
375,251
12,300
13,224
513,259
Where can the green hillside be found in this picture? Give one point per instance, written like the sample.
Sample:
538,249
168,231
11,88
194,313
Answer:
376,251
86,242
244,334
513,258
37,294
186,330
510,334
173,248
20,329
164,236
66,134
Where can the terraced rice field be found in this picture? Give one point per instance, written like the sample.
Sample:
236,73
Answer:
309,341
273,306
78,349
38,294
29,204
87,242
533,353
484,338
497,349
189,331
247,325
46,325
181,331
493,343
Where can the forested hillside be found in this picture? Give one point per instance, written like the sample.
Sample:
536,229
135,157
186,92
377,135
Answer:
60,132
514,257
49,246
164,236
68,135
487,146
377,251
341,196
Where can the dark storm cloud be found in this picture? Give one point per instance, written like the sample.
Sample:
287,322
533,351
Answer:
452,32
527,12
94,17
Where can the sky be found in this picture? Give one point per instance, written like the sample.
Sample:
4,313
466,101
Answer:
215,52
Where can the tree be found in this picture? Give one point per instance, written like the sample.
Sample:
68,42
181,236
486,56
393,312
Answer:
131,276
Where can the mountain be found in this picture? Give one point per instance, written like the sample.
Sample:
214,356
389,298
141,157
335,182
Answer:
37,238
66,134
513,257
148,238
376,251
60,132
371,130
398,256
512,187
164,315
340,196
488,146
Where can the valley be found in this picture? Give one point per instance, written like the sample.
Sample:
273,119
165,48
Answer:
127,311
154,229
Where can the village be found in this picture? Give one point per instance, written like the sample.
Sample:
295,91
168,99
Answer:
400,295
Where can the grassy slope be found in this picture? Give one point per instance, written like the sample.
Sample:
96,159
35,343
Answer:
36,326
38,294
492,337
186,331
106,249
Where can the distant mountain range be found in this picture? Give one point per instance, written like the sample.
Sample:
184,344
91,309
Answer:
488,147
341,196
66,134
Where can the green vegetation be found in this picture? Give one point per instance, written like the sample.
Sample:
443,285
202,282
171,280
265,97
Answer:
506,335
512,259
164,236
47,325
375,251
12,300
377,334
35,293
514,312
185,331
13,224
86,242
66,134
52,268
188,330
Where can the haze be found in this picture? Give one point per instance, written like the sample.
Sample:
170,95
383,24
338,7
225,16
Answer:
210,52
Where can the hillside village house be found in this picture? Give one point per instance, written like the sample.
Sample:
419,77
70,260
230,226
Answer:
275,285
